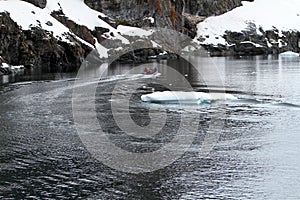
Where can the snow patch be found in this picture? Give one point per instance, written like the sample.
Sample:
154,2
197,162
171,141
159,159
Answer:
254,44
151,19
5,65
133,31
102,50
155,45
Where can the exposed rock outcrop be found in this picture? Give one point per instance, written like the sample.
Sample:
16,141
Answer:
211,7
38,3
152,13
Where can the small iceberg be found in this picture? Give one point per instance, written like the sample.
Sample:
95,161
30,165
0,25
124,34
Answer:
289,54
185,97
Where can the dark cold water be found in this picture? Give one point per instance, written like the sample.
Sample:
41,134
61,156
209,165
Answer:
256,156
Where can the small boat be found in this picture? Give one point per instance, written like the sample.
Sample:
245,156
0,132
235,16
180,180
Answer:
149,70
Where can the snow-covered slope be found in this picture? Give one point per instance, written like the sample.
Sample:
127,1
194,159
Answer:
27,16
60,34
77,12
80,13
284,15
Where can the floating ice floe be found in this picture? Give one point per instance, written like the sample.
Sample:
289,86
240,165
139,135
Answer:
185,97
289,54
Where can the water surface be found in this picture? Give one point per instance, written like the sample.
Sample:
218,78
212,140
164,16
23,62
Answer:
256,157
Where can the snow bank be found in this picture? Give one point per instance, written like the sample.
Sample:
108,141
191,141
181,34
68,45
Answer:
179,96
284,15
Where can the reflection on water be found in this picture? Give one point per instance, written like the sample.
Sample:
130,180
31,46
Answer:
256,157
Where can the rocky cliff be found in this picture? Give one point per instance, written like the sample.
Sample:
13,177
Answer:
38,47
211,7
151,13
57,35
138,12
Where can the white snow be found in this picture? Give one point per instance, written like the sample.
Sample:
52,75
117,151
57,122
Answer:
180,96
248,42
151,19
155,45
133,31
102,50
80,13
5,65
17,67
27,15
282,14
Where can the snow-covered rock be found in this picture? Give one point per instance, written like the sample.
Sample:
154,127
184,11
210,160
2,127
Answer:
8,69
269,25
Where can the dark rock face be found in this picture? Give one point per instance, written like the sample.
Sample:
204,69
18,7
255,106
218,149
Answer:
211,7
9,43
37,47
137,12
195,7
38,3
248,48
290,41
